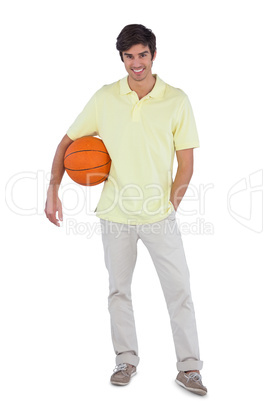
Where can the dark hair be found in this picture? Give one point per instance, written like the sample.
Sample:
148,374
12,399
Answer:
135,34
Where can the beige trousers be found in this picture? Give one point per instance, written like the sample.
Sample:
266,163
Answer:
164,244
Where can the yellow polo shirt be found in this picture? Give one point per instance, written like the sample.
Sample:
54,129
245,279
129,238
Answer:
141,137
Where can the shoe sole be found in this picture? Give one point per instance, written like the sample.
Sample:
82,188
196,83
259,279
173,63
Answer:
194,390
123,383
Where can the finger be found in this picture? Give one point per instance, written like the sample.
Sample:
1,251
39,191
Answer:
53,219
60,214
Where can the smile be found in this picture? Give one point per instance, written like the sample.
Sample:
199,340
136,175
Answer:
138,71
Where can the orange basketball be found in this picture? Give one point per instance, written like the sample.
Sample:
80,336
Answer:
87,161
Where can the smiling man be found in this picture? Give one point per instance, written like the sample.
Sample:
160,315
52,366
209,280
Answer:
143,122
138,64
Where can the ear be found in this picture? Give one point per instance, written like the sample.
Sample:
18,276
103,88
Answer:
154,56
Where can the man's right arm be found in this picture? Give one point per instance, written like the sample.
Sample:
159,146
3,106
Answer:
53,203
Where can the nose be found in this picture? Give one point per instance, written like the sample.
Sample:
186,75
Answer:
136,63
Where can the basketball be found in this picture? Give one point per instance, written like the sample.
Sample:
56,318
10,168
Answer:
87,161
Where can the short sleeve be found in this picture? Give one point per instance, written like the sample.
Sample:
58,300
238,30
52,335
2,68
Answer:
185,131
86,122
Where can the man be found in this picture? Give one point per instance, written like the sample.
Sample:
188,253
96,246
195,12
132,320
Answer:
143,122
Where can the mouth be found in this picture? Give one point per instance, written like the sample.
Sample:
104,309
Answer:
138,71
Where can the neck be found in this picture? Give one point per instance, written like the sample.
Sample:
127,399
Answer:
142,88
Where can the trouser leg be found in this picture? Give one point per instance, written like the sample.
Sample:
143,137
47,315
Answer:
120,253
164,244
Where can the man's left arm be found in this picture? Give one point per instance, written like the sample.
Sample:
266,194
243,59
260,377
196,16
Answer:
185,158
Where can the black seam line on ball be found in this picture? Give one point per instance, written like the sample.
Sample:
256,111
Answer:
98,181
86,150
95,167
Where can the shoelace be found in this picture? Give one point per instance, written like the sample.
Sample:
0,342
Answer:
195,377
120,367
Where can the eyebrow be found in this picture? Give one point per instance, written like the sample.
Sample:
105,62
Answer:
129,54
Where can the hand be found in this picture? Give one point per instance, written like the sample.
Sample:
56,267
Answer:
53,206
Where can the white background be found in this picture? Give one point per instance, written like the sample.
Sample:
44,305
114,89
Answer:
55,333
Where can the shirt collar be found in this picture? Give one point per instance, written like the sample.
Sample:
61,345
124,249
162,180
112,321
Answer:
157,91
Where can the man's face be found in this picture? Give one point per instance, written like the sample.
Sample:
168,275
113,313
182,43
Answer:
138,62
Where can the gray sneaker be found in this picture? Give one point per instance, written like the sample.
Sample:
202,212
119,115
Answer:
122,374
192,382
